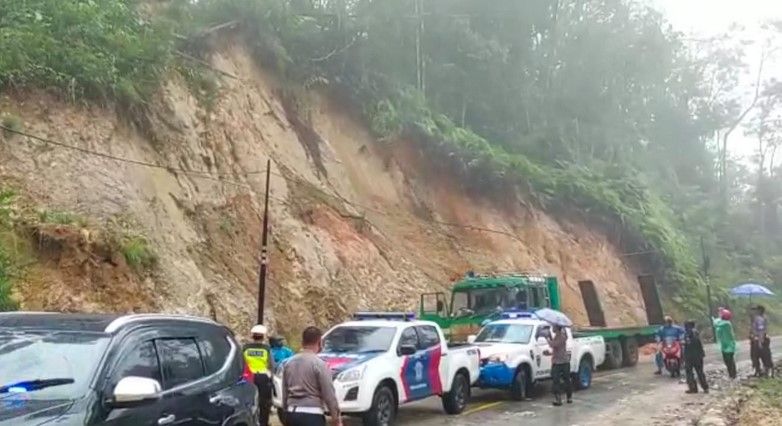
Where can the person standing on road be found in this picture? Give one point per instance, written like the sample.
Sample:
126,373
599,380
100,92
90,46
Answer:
560,366
307,386
727,340
258,357
693,358
761,342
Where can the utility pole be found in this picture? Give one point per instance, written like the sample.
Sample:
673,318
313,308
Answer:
419,49
264,247
709,307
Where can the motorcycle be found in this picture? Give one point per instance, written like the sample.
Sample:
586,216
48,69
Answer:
672,357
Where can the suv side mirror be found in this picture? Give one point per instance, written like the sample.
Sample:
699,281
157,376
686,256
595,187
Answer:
135,390
407,350
471,338
542,341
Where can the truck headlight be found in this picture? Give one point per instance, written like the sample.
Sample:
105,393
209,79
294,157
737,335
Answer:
498,358
352,375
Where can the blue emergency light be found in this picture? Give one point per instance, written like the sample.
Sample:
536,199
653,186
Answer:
516,314
390,316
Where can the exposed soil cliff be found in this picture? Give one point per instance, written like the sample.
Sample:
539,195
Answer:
356,223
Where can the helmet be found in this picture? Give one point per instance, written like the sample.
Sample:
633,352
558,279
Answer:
259,330
725,314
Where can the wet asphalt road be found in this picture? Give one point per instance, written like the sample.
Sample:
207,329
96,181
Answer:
632,387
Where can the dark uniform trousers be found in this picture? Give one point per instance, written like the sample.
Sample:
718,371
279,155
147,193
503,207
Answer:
264,384
304,419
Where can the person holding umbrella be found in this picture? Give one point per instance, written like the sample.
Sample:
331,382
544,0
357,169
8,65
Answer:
560,357
760,342
560,369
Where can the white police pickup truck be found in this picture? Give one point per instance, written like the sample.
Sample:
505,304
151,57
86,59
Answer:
382,360
514,358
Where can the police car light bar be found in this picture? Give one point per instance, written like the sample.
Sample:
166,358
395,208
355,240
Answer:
517,314
391,316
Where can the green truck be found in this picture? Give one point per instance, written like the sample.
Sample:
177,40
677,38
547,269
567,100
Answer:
477,299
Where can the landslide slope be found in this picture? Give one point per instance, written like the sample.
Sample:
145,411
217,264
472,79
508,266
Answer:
355,223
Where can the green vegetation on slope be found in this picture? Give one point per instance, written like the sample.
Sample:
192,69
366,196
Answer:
101,50
592,105
6,263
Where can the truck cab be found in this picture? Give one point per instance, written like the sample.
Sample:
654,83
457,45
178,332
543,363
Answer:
477,299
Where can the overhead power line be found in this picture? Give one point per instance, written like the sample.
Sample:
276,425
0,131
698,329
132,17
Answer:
112,157
219,178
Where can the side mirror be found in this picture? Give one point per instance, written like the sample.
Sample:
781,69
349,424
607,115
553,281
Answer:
471,338
135,390
407,350
542,341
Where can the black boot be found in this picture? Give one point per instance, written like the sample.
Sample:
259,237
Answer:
557,400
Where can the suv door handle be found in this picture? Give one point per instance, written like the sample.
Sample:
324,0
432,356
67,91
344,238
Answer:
166,420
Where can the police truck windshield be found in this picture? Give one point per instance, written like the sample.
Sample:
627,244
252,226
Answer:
505,333
358,339
31,359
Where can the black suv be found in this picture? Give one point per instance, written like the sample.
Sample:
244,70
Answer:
121,370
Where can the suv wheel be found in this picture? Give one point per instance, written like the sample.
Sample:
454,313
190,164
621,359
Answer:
520,386
455,401
383,411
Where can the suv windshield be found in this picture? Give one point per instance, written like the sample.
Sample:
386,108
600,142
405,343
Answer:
505,333
31,355
359,339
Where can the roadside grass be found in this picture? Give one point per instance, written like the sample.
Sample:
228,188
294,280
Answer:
771,391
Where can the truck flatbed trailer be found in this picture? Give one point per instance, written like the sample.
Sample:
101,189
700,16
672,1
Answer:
477,299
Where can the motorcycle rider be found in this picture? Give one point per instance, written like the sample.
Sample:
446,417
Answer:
669,331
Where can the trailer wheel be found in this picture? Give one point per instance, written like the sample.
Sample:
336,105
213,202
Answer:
614,357
630,352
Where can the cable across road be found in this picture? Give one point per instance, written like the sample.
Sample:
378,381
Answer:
221,178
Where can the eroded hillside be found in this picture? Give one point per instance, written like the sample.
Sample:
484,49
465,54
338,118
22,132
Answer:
355,223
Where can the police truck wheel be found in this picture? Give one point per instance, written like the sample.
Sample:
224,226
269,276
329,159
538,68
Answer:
520,386
583,378
455,401
383,411
614,356
630,352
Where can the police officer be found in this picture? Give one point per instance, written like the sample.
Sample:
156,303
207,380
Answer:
258,357
307,386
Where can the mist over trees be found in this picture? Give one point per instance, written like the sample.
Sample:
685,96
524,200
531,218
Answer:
597,106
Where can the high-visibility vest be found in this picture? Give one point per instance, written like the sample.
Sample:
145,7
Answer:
257,359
